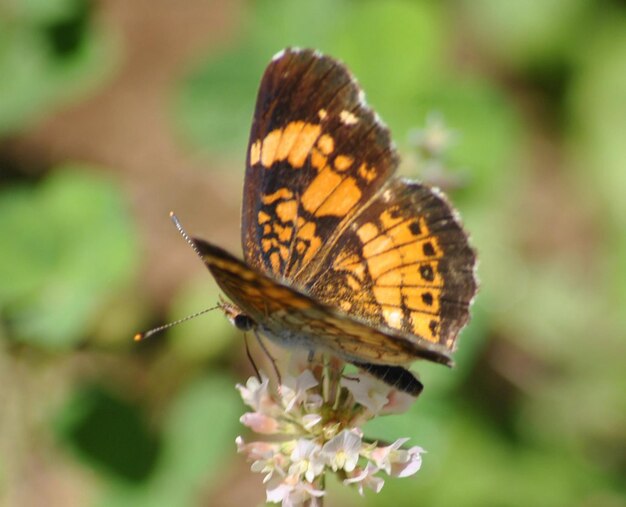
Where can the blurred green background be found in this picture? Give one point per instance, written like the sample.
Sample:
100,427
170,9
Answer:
113,113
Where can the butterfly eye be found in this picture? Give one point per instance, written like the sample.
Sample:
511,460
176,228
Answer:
243,322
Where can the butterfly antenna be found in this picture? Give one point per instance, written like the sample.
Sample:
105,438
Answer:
184,234
147,334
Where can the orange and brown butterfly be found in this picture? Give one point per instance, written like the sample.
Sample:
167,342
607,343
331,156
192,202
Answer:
341,255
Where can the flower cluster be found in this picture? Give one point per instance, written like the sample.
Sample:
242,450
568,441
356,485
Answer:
314,419
434,139
432,145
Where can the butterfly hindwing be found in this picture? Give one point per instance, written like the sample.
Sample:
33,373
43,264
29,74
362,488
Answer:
404,262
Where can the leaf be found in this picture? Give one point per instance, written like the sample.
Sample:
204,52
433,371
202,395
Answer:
50,53
198,437
70,246
110,433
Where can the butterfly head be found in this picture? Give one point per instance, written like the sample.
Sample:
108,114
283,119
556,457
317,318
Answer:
236,317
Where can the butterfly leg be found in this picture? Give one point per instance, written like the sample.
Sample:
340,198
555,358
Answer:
269,356
256,370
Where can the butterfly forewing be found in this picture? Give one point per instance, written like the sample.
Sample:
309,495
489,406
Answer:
282,311
317,154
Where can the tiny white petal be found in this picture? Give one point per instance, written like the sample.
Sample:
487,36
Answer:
399,402
313,402
279,493
310,420
366,478
260,423
384,456
412,462
240,443
255,394
310,490
367,391
256,450
294,390
306,380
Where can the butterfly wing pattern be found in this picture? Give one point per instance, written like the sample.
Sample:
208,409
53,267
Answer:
340,254
317,154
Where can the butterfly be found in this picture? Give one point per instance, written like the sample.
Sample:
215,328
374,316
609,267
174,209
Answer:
340,254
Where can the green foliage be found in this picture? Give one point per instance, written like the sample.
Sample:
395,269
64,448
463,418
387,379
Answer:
197,438
69,246
219,96
110,433
598,120
49,54
531,34
204,338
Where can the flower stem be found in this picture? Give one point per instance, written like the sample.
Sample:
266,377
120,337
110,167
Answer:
326,379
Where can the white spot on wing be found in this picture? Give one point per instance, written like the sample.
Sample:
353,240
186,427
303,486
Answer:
437,191
379,120
347,118
394,318
362,100
278,55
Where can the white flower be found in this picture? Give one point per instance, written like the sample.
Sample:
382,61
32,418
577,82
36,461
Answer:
342,451
367,391
399,402
260,423
292,492
435,138
366,478
316,417
268,466
255,394
384,456
256,450
279,493
294,390
409,463
265,456
306,460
